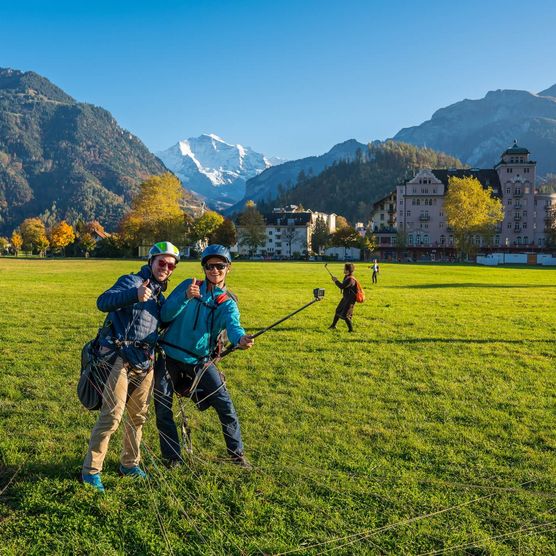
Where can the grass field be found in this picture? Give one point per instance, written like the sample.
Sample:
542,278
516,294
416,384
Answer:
429,430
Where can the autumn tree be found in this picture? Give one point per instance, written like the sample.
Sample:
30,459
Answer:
225,234
471,210
4,243
321,236
156,212
341,222
17,242
345,237
33,234
203,227
252,232
61,235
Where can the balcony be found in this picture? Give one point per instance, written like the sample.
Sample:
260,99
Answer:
517,218
424,218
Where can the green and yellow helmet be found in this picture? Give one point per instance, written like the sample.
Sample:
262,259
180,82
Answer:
164,248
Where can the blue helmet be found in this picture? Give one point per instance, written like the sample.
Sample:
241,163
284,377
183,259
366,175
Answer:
164,248
216,251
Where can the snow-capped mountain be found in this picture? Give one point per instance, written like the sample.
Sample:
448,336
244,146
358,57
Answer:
215,169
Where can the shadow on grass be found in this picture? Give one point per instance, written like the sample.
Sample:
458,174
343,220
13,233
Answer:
469,285
13,476
450,341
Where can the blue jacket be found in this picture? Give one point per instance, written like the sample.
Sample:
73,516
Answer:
132,322
196,323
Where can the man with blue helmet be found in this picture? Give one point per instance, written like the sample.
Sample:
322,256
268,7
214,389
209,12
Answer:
127,345
196,314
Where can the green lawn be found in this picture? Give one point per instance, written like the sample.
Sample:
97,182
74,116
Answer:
430,430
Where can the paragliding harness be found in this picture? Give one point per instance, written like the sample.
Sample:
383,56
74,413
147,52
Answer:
185,383
95,368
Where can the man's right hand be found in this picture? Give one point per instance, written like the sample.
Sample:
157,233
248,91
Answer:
144,293
193,290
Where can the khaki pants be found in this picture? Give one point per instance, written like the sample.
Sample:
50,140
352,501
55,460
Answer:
119,383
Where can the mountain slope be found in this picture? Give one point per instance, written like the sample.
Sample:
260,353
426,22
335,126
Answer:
213,168
351,188
280,178
62,157
477,131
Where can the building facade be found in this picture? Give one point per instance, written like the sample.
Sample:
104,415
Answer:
420,204
288,233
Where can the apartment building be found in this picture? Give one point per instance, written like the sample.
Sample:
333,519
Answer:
289,232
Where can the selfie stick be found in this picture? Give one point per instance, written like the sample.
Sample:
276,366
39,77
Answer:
317,292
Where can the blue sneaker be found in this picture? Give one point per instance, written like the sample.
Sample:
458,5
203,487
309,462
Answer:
135,472
93,480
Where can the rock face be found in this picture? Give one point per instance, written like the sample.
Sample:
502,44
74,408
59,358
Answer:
277,179
63,158
477,131
215,169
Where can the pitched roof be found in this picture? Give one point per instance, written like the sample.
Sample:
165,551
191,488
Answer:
515,149
287,218
488,178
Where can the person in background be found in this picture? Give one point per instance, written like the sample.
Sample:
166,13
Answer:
375,268
133,305
344,310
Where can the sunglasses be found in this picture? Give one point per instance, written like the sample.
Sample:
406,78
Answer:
217,266
163,264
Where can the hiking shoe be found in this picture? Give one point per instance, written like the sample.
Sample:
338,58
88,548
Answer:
241,461
135,472
93,480
173,463
331,328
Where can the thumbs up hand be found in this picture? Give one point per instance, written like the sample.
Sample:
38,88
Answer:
144,293
193,290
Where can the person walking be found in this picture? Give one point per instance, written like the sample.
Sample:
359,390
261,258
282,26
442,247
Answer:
375,268
127,349
344,310
196,314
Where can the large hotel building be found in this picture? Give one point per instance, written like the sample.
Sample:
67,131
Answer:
415,210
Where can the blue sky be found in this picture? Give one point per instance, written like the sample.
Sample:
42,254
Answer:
288,78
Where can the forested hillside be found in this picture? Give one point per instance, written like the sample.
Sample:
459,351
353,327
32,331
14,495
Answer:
62,158
351,188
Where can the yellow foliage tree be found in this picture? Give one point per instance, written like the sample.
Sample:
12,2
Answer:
471,210
156,213
61,235
17,242
33,233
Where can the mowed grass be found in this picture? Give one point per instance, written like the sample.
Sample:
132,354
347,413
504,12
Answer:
429,430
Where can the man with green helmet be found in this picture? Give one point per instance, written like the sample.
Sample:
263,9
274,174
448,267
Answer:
127,345
197,312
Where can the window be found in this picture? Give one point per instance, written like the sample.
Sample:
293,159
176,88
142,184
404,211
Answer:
401,201
524,213
414,190
507,190
418,201
441,225
509,170
524,225
408,213
442,240
413,201
525,240
269,232
509,225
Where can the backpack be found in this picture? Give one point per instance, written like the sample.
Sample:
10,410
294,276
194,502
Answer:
359,292
94,372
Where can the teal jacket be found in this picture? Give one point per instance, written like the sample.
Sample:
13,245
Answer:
194,324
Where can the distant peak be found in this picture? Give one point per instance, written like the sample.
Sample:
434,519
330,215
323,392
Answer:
31,83
550,92
213,136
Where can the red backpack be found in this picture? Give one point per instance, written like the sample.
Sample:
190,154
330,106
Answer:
359,293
